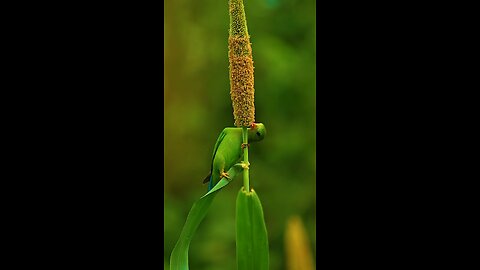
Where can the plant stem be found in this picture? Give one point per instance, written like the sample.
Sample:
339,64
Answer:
246,180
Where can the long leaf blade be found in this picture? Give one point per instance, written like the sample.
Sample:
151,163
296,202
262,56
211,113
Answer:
251,232
179,256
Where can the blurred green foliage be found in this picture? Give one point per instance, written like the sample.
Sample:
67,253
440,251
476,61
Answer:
198,106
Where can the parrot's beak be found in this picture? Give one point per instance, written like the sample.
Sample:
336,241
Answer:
253,126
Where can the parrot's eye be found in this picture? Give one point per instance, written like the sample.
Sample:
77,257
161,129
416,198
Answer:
258,133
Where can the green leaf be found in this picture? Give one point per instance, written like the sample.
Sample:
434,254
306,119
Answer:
234,170
252,238
179,256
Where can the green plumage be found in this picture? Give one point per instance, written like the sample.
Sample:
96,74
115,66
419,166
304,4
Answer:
228,150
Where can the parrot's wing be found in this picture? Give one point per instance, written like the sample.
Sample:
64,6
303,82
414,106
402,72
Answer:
215,148
218,142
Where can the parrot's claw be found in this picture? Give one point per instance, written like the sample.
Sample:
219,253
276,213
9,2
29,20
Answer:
243,165
224,174
245,145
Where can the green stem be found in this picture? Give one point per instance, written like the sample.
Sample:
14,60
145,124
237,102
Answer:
246,180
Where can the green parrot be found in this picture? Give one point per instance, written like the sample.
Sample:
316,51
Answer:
228,151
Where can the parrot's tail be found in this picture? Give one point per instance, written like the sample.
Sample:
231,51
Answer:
210,184
209,179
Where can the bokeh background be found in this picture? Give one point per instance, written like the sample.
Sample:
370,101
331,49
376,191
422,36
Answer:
198,106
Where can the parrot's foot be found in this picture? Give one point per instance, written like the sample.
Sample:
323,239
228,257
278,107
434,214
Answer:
245,145
224,174
243,165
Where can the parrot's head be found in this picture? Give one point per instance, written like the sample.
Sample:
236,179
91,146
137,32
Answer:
256,132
